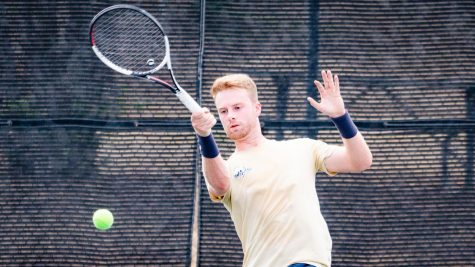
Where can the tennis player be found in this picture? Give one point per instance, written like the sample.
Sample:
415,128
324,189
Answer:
268,186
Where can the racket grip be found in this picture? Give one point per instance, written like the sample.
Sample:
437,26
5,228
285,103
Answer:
188,101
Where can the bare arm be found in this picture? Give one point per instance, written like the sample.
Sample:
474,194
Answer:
214,167
354,155
217,177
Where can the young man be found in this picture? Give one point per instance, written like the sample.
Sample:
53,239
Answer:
268,186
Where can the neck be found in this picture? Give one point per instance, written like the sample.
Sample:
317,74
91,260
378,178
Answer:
249,141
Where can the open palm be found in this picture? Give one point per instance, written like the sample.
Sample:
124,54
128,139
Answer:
331,103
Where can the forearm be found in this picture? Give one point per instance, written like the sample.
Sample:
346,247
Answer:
216,174
214,167
358,153
354,155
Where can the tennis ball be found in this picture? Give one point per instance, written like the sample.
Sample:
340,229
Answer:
103,219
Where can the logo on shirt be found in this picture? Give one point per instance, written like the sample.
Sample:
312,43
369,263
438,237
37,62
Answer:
240,172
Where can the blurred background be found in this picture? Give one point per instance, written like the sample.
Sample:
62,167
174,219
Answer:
76,136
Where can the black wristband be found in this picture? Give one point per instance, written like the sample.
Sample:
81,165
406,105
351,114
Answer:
345,125
208,146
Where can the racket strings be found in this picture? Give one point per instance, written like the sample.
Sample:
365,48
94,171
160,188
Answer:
130,40
137,45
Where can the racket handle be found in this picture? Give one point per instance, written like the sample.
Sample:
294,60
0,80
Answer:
188,101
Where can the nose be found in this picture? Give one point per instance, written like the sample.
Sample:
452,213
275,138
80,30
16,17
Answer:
230,119
231,115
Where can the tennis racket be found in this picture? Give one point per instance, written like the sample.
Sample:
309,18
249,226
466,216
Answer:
131,41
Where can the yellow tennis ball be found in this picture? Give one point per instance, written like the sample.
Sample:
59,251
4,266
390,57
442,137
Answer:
103,219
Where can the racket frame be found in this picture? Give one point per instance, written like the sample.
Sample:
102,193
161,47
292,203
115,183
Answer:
176,89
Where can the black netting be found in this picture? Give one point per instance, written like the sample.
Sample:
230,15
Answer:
74,139
407,74
76,136
59,176
50,70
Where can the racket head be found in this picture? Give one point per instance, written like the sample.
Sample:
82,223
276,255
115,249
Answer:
129,40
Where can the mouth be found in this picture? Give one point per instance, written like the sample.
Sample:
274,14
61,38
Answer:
233,126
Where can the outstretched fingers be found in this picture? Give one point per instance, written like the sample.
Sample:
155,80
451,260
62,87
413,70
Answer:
337,85
314,103
320,87
332,83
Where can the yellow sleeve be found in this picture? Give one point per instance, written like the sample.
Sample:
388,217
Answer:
219,199
322,151
226,198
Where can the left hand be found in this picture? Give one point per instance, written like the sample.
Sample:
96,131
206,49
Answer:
331,102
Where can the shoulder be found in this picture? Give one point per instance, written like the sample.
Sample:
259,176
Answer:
307,144
297,145
301,142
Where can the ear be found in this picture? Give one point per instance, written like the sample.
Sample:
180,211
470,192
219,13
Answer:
258,108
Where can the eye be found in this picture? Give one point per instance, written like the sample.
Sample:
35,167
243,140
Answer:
223,111
237,107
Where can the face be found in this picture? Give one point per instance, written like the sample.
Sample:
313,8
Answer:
238,113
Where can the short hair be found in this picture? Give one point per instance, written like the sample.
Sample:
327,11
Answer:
235,81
